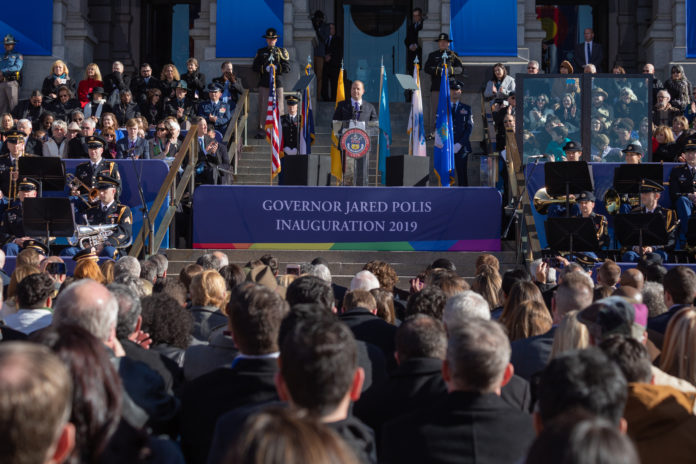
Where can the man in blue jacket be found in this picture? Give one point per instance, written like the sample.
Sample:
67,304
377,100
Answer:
462,124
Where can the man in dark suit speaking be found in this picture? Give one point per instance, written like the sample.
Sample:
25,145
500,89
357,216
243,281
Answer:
355,108
588,52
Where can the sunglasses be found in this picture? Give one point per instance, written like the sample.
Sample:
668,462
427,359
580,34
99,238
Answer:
161,129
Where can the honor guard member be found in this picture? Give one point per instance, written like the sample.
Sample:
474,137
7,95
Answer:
649,195
682,181
8,163
10,74
434,66
181,107
216,111
573,151
291,126
107,211
261,65
88,172
462,124
12,226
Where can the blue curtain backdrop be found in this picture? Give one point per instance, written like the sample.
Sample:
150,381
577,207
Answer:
31,23
241,23
484,27
691,28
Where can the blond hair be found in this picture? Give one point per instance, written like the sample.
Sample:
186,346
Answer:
97,72
570,335
209,289
679,347
65,67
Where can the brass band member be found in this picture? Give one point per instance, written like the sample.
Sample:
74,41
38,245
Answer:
12,225
649,195
8,163
682,191
89,171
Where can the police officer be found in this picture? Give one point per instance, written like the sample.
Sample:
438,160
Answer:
89,171
291,125
434,66
462,120
216,111
649,195
12,226
10,73
682,190
261,65
107,211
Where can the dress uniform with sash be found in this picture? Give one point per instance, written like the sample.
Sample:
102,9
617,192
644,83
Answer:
291,128
670,218
12,223
11,67
89,171
101,214
682,182
262,60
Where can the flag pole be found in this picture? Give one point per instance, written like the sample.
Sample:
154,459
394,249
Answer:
413,115
270,182
379,106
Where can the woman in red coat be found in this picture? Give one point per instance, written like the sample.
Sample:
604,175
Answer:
93,78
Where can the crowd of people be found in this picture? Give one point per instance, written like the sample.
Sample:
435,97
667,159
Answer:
122,362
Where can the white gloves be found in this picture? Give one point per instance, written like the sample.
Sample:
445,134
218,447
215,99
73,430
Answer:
457,147
290,151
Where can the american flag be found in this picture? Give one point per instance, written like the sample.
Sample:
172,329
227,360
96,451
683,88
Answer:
273,136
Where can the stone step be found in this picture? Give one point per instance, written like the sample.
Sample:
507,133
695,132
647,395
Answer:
344,264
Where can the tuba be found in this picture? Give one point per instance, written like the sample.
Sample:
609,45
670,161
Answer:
542,201
92,236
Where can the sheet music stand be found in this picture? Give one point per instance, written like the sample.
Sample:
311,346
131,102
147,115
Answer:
571,234
48,171
566,178
628,177
48,217
640,230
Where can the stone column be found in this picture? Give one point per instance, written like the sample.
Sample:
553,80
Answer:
659,39
529,31
80,39
627,44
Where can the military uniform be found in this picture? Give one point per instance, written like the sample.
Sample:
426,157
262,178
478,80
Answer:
434,66
220,110
8,163
11,66
281,61
88,174
682,182
291,129
12,223
462,125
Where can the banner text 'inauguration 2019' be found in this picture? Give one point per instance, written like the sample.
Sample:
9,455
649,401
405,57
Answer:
347,218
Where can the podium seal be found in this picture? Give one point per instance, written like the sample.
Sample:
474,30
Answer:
355,143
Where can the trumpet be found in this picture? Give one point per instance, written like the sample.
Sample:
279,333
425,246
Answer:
75,183
612,201
542,201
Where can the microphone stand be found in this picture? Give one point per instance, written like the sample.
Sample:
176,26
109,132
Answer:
145,210
515,217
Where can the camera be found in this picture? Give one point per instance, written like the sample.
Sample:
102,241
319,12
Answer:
553,262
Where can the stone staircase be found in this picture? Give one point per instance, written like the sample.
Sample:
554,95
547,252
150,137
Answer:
345,264
254,162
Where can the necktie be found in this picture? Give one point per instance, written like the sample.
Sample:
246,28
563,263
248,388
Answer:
104,208
454,108
131,145
588,53
200,141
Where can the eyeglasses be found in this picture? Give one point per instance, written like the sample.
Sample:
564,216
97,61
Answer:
161,129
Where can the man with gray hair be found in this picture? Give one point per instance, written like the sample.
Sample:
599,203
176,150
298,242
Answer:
460,308
220,260
322,272
162,264
127,265
32,145
364,280
35,403
575,292
90,305
472,422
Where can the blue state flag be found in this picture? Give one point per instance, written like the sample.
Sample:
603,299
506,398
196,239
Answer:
385,134
443,158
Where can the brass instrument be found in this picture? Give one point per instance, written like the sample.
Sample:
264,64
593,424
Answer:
612,201
92,236
543,200
75,183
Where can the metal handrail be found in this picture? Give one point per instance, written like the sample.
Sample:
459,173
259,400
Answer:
234,138
189,150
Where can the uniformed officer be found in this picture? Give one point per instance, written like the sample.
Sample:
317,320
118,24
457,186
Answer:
586,203
216,111
291,126
181,107
8,163
462,120
89,171
12,226
434,66
682,190
649,195
10,73
262,65
107,211
573,151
